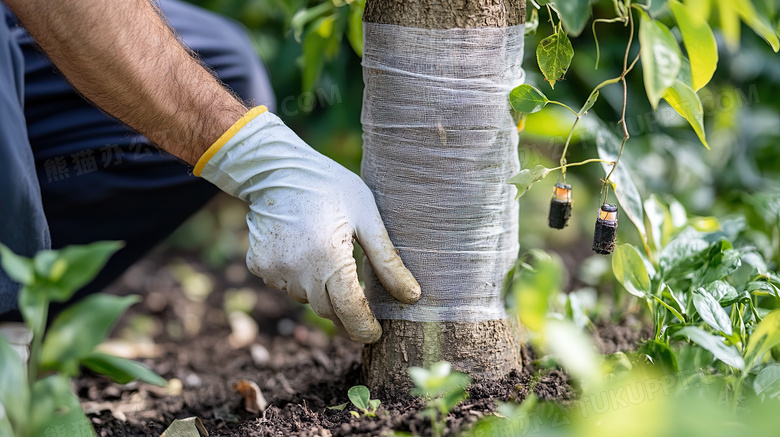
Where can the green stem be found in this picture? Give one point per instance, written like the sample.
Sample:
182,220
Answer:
555,102
35,350
622,79
755,313
737,388
596,38
587,161
566,147
577,120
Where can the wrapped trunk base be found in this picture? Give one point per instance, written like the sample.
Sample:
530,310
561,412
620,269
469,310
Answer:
485,350
439,145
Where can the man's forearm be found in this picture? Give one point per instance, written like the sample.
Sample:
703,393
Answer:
124,58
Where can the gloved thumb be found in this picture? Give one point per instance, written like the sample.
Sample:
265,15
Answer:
386,263
351,307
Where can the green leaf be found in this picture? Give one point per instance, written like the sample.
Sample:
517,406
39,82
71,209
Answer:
711,312
355,414
18,268
437,381
575,311
527,178
761,285
360,396
656,215
700,8
767,382
661,355
315,47
554,55
721,264
729,23
373,404
33,305
705,224
629,270
49,265
306,15
764,337
534,290
682,255
453,398
715,345
440,369
532,23
684,75
82,264
574,350
54,407
759,24
719,260
686,102
660,58
528,99
121,370
722,291
82,326
355,29
678,296
589,103
420,377
699,43
6,430
574,14
339,407
14,393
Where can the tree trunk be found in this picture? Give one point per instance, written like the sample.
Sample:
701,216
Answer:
486,349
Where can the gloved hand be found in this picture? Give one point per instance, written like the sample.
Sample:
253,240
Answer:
305,212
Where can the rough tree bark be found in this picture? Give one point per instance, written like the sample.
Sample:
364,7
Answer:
488,349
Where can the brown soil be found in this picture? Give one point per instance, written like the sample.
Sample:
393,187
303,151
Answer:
303,373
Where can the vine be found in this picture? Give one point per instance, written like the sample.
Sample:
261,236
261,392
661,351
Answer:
664,78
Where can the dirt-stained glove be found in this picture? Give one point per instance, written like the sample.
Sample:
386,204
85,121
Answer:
305,212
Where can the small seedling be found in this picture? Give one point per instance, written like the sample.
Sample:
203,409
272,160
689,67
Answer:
361,398
443,390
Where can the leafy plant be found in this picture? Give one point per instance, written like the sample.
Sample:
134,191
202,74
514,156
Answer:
667,74
37,399
699,286
442,388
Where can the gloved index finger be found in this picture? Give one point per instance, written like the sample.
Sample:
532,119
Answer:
351,307
386,263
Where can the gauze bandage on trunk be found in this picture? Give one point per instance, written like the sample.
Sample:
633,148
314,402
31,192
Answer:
439,144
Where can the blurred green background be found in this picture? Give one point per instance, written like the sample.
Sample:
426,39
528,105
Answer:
742,119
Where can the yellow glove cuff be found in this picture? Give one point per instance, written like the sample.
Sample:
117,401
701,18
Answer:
211,151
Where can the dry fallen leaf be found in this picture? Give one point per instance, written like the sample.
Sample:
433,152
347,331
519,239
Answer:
189,427
254,402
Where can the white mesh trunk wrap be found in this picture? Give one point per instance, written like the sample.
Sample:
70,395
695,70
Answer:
439,144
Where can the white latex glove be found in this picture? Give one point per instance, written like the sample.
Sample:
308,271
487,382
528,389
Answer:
305,212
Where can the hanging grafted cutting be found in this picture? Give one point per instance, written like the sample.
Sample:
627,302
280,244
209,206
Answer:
560,206
605,234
